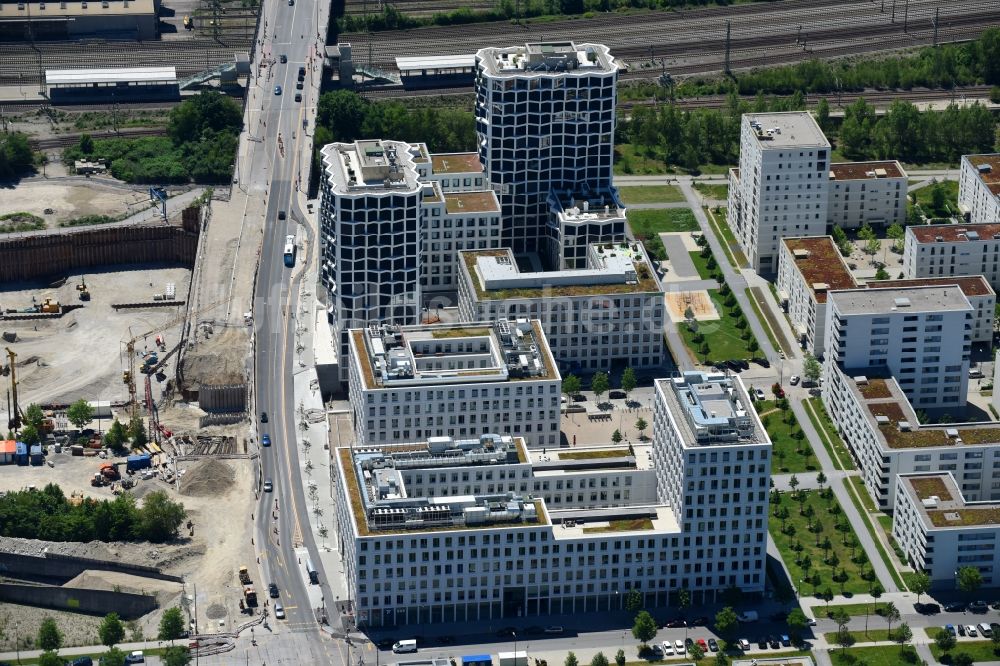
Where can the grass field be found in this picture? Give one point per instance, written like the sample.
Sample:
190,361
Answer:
978,650
827,513
721,335
873,636
866,498
881,655
854,610
855,492
713,191
655,221
925,194
828,434
643,194
786,456
701,263
766,319
725,232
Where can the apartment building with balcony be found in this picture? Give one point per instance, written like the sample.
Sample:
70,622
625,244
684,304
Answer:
781,188
867,192
922,336
941,531
545,120
948,250
610,313
981,297
979,188
409,383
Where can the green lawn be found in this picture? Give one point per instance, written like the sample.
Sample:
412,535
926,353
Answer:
643,194
828,434
721,226
764,316
855,492
978,650
713,191
796,543
701,263
866,498
721,335
655,221
854,610
925,195
629,160
786,456
881,655
873,636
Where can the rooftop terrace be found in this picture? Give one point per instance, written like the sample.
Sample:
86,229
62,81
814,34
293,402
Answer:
450,163
954,233
624,521
866,170
712,409
457,203
613,269
400,356
940,503
599,458
371,166
546,58
821,265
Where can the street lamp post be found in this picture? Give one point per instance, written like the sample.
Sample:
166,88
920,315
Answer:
685,636
514,634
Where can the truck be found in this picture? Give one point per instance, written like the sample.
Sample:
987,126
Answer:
244,576
249,595
138,461
109,472
748,616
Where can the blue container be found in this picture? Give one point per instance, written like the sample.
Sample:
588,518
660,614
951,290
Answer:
21,453
37,458
141,461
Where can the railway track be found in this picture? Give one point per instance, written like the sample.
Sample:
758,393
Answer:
689,37
66,140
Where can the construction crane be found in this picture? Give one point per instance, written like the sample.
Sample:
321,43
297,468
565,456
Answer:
128,375
16,415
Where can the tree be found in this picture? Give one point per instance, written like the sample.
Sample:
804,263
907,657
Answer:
881,273
178,655
962,659
683,599
644,628
876,591
944,640
116,436
969,579
571,386
571,660
160,518
34,415
206,113
111,631
872,246
29,435
891,614
920,583
599,660
820,480
823,114
616,437
696,652
171,624
897,233
80,413
793,482
721,659
845,639
620,658
841,617
49,636
843,244
629,381
939,198
727,623
641,425
633,600
811,368
797,622
903,635
137,431
113,657
50,659
599,385
16,156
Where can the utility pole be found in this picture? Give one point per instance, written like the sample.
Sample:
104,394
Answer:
729,27
906,16
937,16
893,11
798,36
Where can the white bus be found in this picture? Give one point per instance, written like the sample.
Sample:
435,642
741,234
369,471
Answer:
289,251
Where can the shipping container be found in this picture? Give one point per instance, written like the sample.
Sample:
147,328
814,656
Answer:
37,457
141,461
7,449
21,453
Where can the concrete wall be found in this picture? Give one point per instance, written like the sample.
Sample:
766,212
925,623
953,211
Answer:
96,602
46,255
61,568
226,398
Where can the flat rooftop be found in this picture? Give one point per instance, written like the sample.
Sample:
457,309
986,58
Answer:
448,163
441,354
891,414
712,409
556,462
376,166
866,170
821,265
954,233
484,201
787,129
971,285
940,502
617,521
908,299
991,176
419,63
577,208
41,11
613,269
57,77
547,58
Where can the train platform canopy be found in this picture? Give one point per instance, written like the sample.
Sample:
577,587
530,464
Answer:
78,77
432,63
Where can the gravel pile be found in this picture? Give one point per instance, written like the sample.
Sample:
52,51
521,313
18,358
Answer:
207,477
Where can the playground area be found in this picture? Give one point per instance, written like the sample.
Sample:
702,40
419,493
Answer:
699,301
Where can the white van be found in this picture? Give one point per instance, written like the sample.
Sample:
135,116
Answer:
409,645
985,629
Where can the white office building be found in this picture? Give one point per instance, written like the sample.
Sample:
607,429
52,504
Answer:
577,221
981,297
946,250
922,336
610,313
712,459
867,192
808,269
545,120
941,531
409,383
979,188
781,188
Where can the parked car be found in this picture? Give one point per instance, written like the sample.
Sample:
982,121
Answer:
950,628
761,361
674,623
657,651
762,643
616,395
82,661
265,440
553,630
744,644
277,90
703,644
794,380
785,640
954,607
713,645
927,609
811,621
961,629
979,607
272,590
135,657
279,611
679,646
667,648
773,642
970,631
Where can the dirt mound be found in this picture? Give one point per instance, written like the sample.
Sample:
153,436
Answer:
207,477
219,359
216,612
114,581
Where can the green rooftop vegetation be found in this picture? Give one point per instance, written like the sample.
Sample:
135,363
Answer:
631,525
966,517
875,389
461,333
594,455
930,487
